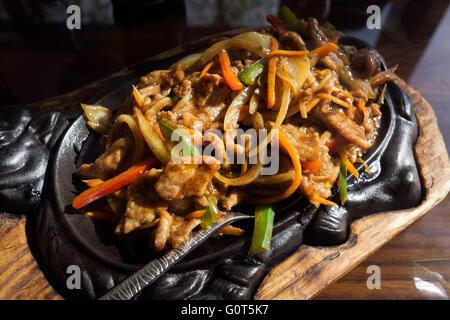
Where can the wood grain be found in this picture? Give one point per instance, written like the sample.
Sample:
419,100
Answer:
310,270
20,275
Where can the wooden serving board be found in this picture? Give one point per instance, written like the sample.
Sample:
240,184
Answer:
302,275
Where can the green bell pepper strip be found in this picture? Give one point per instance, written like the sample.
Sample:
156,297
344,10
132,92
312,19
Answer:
212,212
174,135
343,182
262,233
292,22
117,205
249,75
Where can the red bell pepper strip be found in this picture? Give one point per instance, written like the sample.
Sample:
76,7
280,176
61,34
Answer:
113,184
276,23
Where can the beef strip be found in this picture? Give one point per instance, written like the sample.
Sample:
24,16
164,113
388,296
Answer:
108,163
181,180
290,40
335,118
144,205
367,62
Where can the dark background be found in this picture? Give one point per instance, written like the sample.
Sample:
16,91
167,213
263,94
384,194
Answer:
40,58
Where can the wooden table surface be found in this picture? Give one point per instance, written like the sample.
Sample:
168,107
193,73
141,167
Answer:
416,263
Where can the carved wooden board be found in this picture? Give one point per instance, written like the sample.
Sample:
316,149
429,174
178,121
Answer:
301,276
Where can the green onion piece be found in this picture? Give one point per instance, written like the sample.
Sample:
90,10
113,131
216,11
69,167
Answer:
343,182
292,22
174,135
249,75
262,233
117,205
212,212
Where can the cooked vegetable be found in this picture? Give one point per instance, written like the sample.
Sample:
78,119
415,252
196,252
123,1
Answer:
262,232
173,135
348,164
113,184
271,64
343,182
292,22
249,75
117,205
233,231
318,200
312,166
324,50
212,212
152,138
227,71
138,97
383,77
99,117
206,69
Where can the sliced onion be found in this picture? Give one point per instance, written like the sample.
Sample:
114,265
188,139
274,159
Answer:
252,41
276,179
152,138
99,117
285,101
139,149
189,61
251,175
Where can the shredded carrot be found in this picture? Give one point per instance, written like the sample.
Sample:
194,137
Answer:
233,231
93,182
98,215
346,94
230,77
381,96
363,109
312,104
338,101
303,111
348,164
324,50
316,200
195,214
287,146
138,97
272,64
312,166
366,167
206,69
288,53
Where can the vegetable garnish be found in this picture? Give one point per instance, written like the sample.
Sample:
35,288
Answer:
249,75
174,135
318,200
287,146
99,118
348,164
292,22
262,232
138,97
230,77
113,184
343,182
363,109
326,96
312,166
366,167
324,50
383,77
212,212
288,53
272,64
232,231
312,104
195,214
206,69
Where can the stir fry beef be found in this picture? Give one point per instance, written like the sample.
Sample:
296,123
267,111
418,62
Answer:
291,40
311,147
335,118
306,141
108,163
144,205
173,230
181,180
367,62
